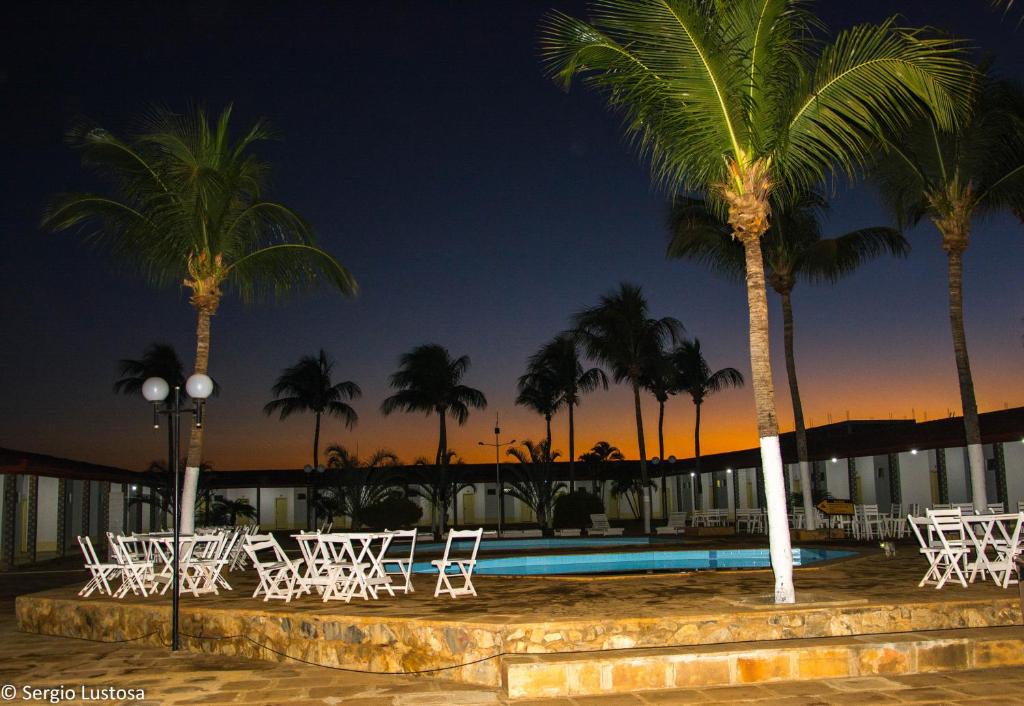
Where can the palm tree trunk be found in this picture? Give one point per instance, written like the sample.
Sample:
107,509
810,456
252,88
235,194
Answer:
975,454
195,441
661,457
798,410
643,458
696,451
442,450
547,423
311,517
572,451
767,425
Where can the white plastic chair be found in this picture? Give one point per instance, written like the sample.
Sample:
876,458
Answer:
599,526
399,563
102,572
277,573
464,566
136,571
676,524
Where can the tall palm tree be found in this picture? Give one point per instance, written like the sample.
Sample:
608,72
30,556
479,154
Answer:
599,459
538,390
620,332
737,100
440,489
560,358
533,482
662,380
307,387
187,206
696,378
951,178
794,250
430,381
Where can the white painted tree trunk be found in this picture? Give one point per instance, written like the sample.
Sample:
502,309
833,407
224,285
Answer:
778,521
979,493
188,501
808,496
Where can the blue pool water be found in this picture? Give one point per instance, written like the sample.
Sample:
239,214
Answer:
626,562
495,545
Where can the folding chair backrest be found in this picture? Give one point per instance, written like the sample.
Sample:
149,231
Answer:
941,506
965,508
599,521
1020,506
400,539
90,554
920,525
677,519
460,554
947,525
256,543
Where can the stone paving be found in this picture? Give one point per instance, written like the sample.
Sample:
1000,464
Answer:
213,679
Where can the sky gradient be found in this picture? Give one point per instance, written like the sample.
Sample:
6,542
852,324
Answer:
478,206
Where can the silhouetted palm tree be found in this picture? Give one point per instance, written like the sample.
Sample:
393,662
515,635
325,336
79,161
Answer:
307,387
228,511
793,250
620,333
560,358
430,381
440,488
737,100
533,480
660,378
354,484
696,378
598,459
158,360
538,390
951,178
188,207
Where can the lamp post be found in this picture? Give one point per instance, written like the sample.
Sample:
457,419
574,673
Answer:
499,491
156,390
693,495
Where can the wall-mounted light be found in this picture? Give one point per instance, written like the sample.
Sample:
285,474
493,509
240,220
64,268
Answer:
835,460
913,452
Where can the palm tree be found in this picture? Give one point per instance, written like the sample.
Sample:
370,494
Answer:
738,100
187,207
538,390
951,177
599,459
430,381
356,484
307,387
533,482
696,378
620,333
560,358
661,380
158,360
228,511
627,485
793,250
439,488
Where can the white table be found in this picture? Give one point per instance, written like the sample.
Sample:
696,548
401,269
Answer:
987,532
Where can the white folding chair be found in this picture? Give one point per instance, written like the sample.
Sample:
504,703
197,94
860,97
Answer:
102,572
1008,547
995,508
345,576
946,534
464,567
277,573
896,525
317,559
399,563
136,571
872,522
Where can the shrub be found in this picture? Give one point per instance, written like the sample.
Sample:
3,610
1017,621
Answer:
573,510
393,512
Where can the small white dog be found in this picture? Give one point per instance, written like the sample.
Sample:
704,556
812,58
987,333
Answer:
889,548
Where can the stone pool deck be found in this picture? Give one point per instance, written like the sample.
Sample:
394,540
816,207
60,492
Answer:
523,630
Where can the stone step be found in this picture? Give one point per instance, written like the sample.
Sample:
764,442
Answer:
624,671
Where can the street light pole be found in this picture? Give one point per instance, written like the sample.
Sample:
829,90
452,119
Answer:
155,390
500,491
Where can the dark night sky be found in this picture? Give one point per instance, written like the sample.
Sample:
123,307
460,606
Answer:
477,205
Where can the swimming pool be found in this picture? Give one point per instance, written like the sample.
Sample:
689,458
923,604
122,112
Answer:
630,562
496,545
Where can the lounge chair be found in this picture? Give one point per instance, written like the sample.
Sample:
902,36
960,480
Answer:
599,527
676,524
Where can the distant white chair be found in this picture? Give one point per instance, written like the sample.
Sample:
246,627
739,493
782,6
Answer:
872,522
277,573
136,571
750,521
896,525
102,572
1008,548
464,565
599,526
398,563
568,532
676,524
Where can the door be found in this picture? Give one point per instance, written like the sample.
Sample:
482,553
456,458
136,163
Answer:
281,513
